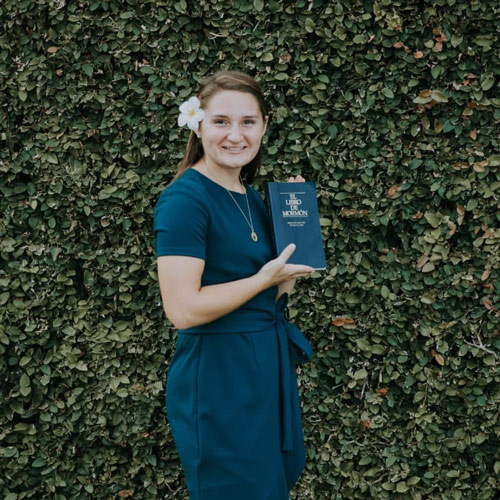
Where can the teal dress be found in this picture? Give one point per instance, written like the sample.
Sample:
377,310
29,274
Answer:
232,399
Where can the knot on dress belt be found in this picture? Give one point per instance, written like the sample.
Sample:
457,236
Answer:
293,347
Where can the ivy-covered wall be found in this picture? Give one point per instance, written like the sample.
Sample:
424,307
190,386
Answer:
391,107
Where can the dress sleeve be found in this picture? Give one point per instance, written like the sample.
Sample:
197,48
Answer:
180,223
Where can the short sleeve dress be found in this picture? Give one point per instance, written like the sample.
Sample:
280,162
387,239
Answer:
232,399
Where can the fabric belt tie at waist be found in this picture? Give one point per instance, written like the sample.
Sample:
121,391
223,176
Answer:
292,347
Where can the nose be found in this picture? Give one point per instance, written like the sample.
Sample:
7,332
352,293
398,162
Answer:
234,134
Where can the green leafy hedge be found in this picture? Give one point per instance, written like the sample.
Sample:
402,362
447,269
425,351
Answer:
391,107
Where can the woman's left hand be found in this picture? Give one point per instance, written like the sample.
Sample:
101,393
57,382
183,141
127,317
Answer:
299,178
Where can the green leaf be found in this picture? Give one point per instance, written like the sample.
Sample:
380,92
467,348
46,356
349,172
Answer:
422,100
428,267
258,5
333,131
388,93
309,99
123,393
360,374
9,452
419,396
363,344
402,487
51,158
490,360
88,69
448,126
24,361
128,158
438,96
309,25
24,381
4,298
352,298
359,38
487,83
377,349
428,298
342,195
38,462
433,219
483,41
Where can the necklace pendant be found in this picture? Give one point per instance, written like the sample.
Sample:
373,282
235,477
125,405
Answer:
254,236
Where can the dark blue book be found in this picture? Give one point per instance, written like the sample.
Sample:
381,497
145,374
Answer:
293,209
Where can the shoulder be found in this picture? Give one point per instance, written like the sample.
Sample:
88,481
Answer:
184,192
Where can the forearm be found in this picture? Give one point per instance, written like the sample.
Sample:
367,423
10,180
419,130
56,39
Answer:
215,301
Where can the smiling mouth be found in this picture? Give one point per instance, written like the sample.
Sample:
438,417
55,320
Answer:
234,150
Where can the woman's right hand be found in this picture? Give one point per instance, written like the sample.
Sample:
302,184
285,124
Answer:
277,270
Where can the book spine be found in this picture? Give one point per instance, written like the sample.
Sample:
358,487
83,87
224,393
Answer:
270,211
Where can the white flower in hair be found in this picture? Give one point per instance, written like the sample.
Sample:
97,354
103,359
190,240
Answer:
191,113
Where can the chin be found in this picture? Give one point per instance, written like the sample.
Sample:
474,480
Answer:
236,163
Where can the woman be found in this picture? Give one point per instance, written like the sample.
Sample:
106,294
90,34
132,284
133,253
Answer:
231,397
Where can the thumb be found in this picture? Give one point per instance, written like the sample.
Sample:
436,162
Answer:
287,252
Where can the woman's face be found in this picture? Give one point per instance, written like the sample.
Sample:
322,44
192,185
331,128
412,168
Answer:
232,129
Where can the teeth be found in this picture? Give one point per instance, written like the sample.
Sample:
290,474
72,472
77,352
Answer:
234,149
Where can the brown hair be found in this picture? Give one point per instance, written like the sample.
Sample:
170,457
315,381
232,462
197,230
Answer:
223,80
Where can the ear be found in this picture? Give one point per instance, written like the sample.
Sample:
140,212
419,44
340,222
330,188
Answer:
266,120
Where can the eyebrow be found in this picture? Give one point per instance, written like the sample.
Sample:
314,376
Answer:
224,116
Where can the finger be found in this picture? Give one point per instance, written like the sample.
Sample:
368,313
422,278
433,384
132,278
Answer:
298,268
287,252
299,178
291,179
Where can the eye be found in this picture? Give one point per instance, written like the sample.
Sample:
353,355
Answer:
251,122
219,120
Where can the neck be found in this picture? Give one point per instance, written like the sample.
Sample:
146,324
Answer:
228,177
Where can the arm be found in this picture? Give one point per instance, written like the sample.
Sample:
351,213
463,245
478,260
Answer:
186,303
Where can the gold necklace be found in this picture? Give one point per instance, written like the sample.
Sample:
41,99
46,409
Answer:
253,234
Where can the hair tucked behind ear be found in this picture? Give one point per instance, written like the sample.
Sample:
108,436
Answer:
224,80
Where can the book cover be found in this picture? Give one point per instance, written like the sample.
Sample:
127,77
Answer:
294,214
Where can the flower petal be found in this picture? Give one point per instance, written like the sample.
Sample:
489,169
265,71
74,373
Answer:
191,103
192,123
184,107
182,120
194,101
